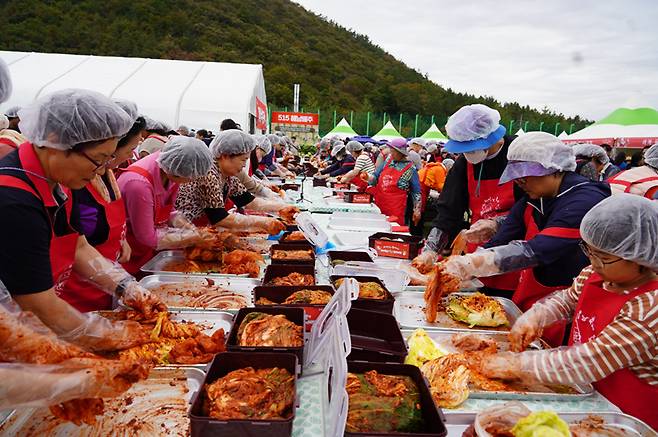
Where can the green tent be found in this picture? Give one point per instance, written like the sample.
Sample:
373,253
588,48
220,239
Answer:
622,128
433,133
387,133
342,129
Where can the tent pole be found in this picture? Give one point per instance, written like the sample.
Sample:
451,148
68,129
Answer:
571,128
351,118
401,124
416,127
384,120
368,124
432,119
334,118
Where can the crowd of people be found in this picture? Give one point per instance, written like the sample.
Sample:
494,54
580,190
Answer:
90,189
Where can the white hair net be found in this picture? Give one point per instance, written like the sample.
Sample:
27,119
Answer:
591,151
152,124
543,148
4,122
339,148
5,82
336,141
651,156
472,122
625,225
274,139
419,141
325,143
448,163
232,142
185,157
263,143
65,118
432,148
129,107
354,146
13,111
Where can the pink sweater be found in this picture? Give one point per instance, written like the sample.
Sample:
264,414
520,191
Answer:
140,199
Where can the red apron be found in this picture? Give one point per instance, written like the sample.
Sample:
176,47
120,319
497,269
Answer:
361,185
62,249
530,290
486,201
141,253
391,200
81,294
595,310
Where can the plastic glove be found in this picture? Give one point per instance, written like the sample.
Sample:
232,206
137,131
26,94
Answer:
97,333
481,231
529,327
425,260
472,265
178,220
274,205
252,223
113,279
177,238
288,213
126,252
503,365
436,241
39,385
142,300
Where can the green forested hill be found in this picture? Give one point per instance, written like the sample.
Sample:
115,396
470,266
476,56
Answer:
336,68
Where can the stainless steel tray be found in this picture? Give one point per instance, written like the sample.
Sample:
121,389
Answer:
154,407
621,424
157,264
539,392
409,312
238,285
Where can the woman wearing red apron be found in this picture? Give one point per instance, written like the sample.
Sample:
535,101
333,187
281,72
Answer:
149,189
396,182
362,164
66,149
613,307
100,215
540,235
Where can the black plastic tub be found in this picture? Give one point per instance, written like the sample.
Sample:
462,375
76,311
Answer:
224,363
383,305
375,337
279,294
281,270
344,255
295,315
291,247
395,245
432,415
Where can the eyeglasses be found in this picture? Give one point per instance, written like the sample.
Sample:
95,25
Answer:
98,165
592,256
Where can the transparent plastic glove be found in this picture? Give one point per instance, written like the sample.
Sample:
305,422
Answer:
97,333
177,238
415,277
288,212
481,231
436,241
516,255
274,205
113,279
529,327
178,220
472,265
41,385
503,365
252,223
425,260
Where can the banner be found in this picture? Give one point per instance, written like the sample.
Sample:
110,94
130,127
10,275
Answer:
261,115
310,119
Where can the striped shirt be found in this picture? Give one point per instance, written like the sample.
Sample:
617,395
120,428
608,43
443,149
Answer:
629,341
364,163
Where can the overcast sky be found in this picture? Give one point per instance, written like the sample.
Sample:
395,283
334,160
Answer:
582,57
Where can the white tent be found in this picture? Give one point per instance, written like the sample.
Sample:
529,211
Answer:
387,133
192,93
563,135
519,132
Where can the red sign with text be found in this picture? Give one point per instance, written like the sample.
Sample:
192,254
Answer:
261,115
295,118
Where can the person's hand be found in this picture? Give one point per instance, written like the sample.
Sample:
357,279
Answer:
364,176
504,365
142,300
481,231
472,265
425,260
529,327
416,217
126,251
274,226
288,213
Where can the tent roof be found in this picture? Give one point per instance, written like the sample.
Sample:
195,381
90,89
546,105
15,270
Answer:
388,132
194,93
626,127
563,135
519,132
342,129
434,133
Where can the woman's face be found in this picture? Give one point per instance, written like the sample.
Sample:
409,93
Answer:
76,169
125,152
231,165
611,267
397,156
539,186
